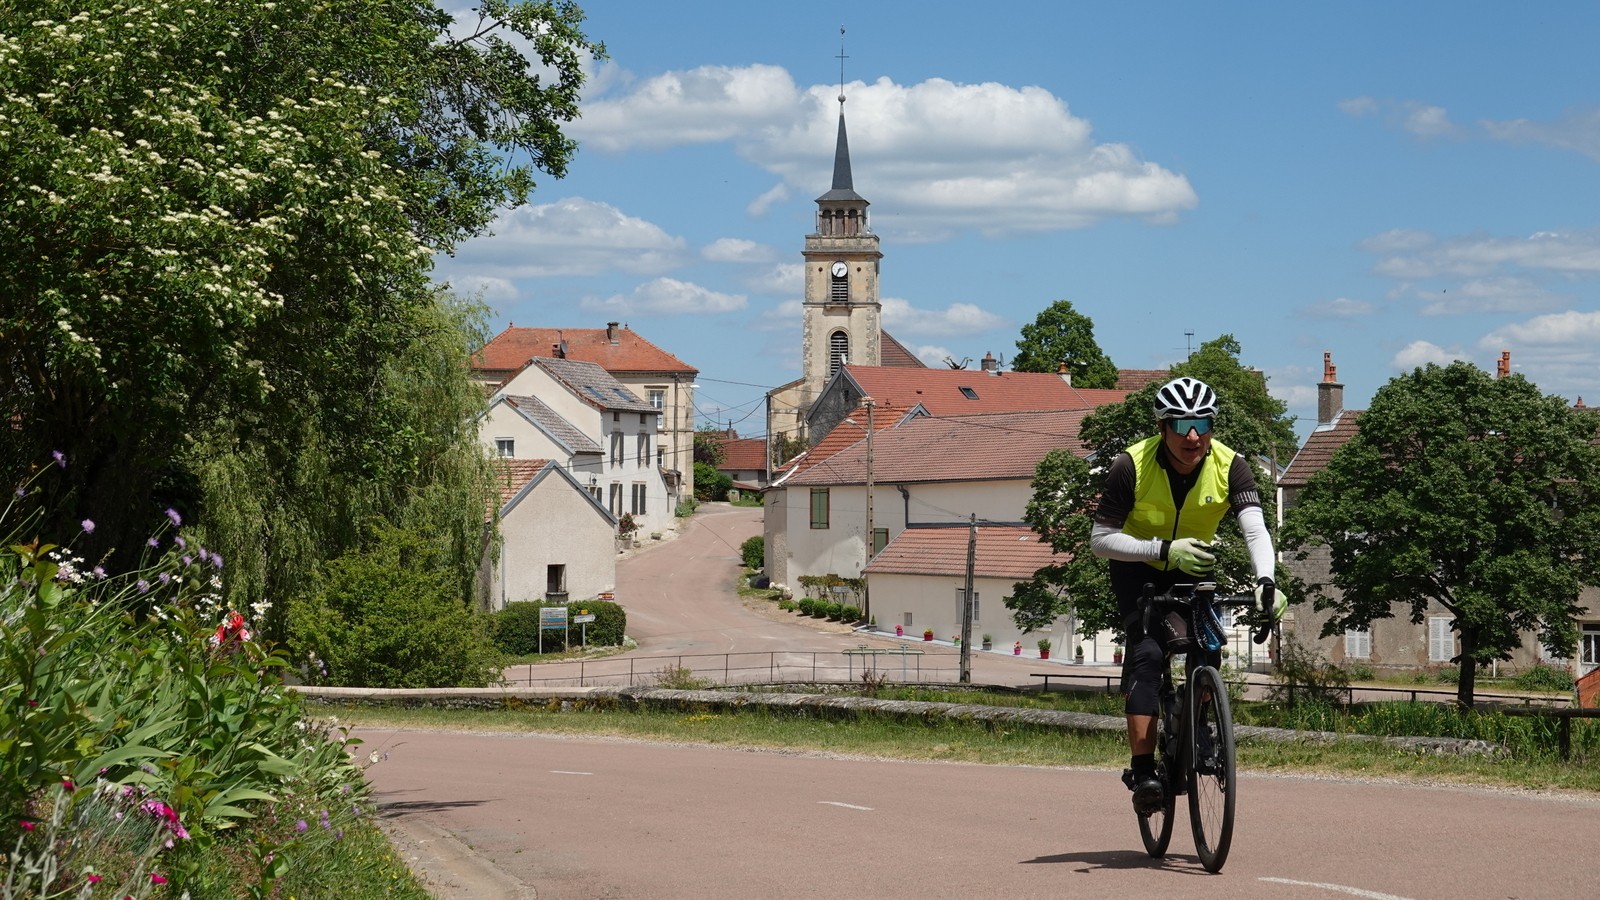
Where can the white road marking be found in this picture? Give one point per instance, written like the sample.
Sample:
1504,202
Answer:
1341,888
845,805
560,772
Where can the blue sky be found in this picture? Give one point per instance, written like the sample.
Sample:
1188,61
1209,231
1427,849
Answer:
1392,183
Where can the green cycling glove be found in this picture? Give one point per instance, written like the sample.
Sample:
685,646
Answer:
1192,556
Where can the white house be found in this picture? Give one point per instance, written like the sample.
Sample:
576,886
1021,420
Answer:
603,435
556,540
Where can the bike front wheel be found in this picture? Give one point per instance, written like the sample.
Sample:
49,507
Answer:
1212,786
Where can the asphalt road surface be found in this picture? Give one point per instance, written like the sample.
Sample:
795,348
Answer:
497,816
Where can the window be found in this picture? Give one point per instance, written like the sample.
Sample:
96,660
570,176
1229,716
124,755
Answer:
642,450
977,603
1441,640
839,289
880,540
1358,644
505,448
644,419
555,579
638,499
616,448
616,499
969,393
661,455
658,399
616,417
819,507
1589,645
908,620
838,351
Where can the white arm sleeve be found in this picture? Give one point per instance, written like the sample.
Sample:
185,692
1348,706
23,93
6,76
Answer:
1111,543
1256,538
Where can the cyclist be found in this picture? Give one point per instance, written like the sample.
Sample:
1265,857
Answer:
1163,500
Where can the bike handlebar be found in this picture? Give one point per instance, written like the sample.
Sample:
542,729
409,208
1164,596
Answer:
1182,595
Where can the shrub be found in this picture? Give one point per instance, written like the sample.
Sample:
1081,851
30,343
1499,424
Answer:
1304,675
1360,672
1543,677
850,613
387,616
807,606
681,678
516,628
833,611
788,605
753,552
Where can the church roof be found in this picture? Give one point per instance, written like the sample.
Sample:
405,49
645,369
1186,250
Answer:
617,350
893,353
843,188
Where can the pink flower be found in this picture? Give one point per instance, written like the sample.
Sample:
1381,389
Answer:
59,457
29,826
173,517
88,526
156,878
92,879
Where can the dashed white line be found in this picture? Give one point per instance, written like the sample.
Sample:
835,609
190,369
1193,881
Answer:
845,805
560,772
1341,888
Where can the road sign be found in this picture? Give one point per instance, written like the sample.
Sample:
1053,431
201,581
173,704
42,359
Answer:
553,617
581,619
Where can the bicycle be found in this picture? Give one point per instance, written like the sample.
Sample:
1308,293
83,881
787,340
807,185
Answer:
1195,744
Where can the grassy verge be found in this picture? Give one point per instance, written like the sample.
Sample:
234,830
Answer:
976,743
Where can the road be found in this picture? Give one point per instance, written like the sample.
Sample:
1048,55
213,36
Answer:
505,816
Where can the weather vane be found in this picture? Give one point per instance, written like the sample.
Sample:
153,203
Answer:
842,58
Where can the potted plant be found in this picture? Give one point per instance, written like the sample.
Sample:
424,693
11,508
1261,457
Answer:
1116,655
1044,648
1077,654
927,634
988,642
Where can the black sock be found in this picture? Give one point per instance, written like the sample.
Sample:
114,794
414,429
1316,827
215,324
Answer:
1144,764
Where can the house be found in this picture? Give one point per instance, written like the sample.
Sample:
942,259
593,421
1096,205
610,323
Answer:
647,371
1394,643
603,435
744,460
925,471
556,540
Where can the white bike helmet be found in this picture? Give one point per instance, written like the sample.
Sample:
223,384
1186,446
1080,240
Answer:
1185,398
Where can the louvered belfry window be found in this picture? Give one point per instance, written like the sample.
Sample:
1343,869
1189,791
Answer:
838,350
839,288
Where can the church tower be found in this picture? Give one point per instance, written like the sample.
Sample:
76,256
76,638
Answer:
842,315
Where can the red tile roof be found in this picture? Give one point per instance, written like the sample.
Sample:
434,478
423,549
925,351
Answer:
1318,449
940,390
512,475
1132,380
511,349
1003,551
744,454
893,353
991,447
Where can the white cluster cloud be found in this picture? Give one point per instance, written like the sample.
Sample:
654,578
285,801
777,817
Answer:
738,250
1417,254
1420,353
666,296
1577,130
572,236
947,157
899,316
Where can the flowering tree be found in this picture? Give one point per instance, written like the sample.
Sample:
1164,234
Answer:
219,220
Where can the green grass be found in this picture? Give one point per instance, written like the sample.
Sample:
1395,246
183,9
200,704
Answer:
945,740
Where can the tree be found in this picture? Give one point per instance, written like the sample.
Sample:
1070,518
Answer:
1474,493
220,217
1067,486
708,447
1061,334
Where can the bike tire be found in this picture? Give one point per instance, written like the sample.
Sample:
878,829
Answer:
1213,787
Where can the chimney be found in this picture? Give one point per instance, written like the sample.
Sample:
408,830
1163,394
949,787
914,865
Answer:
611,332
558,351
1579,404
1503,368
1061,370
1330,393
989,363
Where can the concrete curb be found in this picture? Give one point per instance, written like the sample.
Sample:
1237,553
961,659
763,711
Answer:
837,706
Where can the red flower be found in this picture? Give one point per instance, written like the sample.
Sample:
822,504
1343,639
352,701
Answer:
156,878
93,879
29,826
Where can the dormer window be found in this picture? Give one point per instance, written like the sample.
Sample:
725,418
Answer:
969,393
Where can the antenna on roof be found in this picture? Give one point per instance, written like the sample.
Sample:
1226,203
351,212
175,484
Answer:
951,362
1188,343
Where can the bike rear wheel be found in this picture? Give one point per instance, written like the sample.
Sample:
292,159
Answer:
1156,827
1212,786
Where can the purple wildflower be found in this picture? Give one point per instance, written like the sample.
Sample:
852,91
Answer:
187,559
59,457
173,517
88,526
99,571
143,586
165,578
301,826
153,542
180,542
216,560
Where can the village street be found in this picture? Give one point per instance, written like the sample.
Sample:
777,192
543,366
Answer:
501,816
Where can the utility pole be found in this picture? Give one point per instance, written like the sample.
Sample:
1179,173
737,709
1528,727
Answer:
866,556
966,602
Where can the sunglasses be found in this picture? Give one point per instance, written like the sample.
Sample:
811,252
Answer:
1182,427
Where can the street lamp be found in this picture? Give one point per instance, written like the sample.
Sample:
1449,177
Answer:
866,594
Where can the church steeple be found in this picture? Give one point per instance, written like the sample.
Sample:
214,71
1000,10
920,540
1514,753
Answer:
843,188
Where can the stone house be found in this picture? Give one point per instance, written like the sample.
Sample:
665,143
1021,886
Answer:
556,540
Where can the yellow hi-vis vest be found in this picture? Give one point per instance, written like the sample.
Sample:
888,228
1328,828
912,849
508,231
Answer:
1153,515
